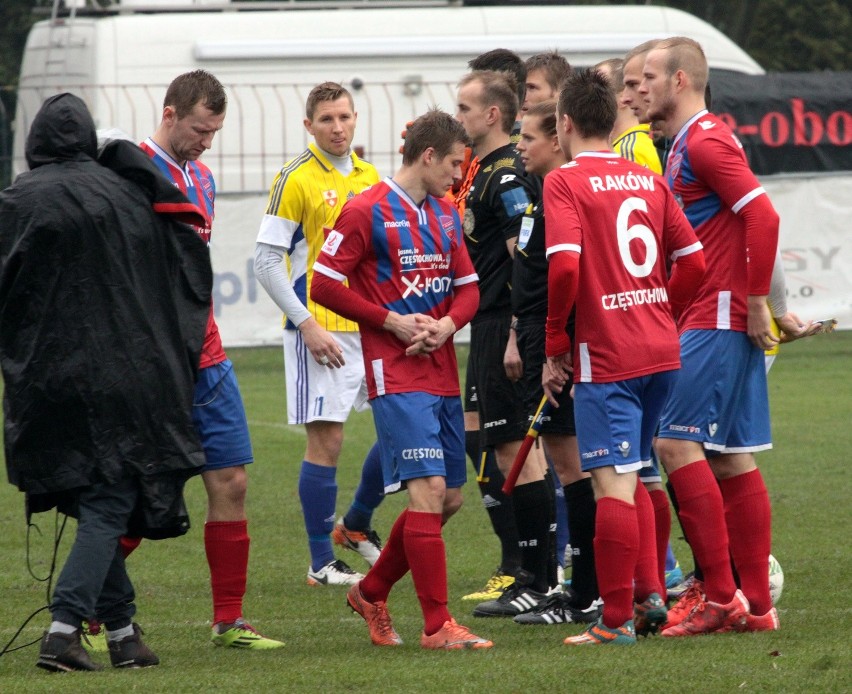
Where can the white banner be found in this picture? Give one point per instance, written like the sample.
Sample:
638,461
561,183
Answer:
815,244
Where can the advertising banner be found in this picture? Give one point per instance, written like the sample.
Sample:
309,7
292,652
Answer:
788,122
815,243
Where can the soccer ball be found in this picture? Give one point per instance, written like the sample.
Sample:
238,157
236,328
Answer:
776,580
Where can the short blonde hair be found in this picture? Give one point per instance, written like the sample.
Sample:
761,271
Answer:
687,55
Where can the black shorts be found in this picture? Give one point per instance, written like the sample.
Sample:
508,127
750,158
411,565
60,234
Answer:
530,337
470,398
500,403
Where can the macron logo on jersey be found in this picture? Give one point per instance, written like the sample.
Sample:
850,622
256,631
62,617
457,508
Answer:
706,124
332,243
397,223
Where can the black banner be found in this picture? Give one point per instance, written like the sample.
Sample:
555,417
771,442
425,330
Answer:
788,122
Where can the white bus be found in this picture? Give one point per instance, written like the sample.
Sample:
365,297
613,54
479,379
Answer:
396,60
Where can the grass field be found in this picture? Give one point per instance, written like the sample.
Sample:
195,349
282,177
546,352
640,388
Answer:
328,649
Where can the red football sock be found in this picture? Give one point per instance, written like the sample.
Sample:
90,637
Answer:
128,544
391,565
646,576
662,528
703,518
616,551
749,520
427,557
227,547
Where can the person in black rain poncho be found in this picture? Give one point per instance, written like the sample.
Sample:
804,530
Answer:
104,295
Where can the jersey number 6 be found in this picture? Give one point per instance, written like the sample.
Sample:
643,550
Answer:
638,231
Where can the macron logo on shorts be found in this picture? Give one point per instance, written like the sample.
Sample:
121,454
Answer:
332,243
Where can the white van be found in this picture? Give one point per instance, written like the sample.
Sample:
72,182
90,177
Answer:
396,60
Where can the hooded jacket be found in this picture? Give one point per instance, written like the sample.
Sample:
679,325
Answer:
104,298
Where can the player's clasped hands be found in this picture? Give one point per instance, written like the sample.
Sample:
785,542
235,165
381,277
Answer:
423,334
432,335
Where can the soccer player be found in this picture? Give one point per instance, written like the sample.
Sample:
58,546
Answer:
322,350
718,413
499,195
540,154
630,138
631,71
193,112
488,476
411,286
545,72
612,227
509,62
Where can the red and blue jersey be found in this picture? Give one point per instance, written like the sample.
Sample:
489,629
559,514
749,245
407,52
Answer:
710,177
625,225
406,258
195,181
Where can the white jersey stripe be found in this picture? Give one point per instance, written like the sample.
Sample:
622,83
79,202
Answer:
585,363
328,272
723,311
687,251
465,280
379,375
746,199
573,247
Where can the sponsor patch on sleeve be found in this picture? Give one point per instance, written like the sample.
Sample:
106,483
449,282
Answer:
515,201
332,242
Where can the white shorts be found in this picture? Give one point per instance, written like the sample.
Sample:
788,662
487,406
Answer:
316,393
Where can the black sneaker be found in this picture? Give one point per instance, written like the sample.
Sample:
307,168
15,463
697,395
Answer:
559,609
515,600
131,651
64,653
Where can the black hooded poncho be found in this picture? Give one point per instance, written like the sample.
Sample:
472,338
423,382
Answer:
103,307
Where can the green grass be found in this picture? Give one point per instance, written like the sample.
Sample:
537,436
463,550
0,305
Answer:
327,645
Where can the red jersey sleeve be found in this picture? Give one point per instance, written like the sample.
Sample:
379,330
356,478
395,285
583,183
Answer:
722,165
465,287
563,244
345,247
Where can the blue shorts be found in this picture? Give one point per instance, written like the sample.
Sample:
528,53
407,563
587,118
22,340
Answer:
616,422
720,397
420,435
220,417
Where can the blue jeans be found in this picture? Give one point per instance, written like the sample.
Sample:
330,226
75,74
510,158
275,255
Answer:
94,580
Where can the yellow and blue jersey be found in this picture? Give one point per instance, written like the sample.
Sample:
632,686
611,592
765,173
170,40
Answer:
304,202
